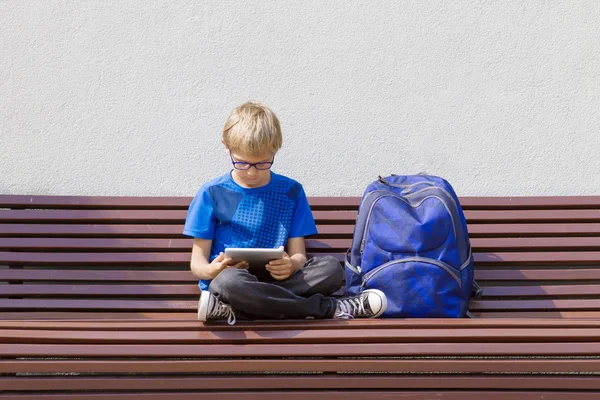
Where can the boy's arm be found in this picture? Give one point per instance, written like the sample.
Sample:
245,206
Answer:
204,269
292,260
297,252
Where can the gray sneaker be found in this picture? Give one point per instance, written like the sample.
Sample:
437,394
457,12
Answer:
210,308
369,304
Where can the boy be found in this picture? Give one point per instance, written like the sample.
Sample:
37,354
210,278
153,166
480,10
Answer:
252,207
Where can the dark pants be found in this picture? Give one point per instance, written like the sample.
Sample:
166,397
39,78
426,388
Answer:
303,294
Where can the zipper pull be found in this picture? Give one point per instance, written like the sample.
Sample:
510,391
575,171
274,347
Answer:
362,246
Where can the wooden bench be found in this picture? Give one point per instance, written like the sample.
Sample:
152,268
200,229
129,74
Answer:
97,302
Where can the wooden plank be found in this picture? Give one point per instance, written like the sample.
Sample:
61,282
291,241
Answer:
556,314
325,230
488,203
87,202
321,394
327,324
64,275
258,335
157,350
520,230
167,315
555,291
91,230
538,258
535,244
529,305
165,290
538,216
216,382
514,202
183,258
96,244
103,258
130,244
146,290
35,275
93,216
346,217
62,244
124,230
190,315
189,305
262,365
565,274
103,305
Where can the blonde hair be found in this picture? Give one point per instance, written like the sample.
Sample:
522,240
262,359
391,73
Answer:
252,129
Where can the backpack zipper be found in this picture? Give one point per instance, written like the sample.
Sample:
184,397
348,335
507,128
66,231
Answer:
404,192
408,188
364,236
425,260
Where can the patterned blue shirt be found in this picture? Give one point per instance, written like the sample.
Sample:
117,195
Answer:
233,216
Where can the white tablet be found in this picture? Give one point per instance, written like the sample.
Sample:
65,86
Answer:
255,257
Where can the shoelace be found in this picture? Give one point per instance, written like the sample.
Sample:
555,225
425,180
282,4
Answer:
225,311
351,307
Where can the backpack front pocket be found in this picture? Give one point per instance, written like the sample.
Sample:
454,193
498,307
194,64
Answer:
417,287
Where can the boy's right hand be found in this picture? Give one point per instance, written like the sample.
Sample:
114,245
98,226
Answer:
221,262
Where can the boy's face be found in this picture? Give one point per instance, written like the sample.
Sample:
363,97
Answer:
256,175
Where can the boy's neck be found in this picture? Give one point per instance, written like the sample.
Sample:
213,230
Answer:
240,181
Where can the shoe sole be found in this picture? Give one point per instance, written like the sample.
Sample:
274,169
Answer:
203,306
383,301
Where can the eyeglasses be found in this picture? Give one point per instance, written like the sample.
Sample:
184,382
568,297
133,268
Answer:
264,165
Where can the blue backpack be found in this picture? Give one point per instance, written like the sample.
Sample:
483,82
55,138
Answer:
411,242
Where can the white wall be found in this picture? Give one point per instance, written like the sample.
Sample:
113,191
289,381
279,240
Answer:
129,97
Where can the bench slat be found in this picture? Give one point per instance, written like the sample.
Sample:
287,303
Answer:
344,217
442,349
35,275
478,244
421,394
170,231
90,230
165,290
260,365
100,290
258,335
85,315
180,305
216,382
183,258
85,202
190,315
331,324
565,274
97,275
516,202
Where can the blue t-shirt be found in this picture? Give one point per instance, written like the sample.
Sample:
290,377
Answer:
233,216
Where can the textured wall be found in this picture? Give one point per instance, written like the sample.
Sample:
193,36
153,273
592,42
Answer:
129,97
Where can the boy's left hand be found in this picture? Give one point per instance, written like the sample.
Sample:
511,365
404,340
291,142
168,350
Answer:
281,269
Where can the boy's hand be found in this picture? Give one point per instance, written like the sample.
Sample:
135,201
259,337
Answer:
281,269
222,262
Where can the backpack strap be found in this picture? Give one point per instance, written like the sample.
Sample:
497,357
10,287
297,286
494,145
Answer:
351,267
477,291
